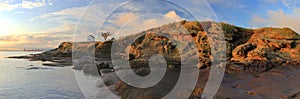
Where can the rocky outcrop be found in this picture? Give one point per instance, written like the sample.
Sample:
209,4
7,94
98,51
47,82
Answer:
250,52
63,50
241,52
270,44
294,96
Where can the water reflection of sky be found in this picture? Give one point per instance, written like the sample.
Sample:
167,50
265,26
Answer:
17,81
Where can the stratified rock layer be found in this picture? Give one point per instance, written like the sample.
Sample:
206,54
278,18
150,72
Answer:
250,53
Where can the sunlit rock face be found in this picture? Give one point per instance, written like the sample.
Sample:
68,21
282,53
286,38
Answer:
249,52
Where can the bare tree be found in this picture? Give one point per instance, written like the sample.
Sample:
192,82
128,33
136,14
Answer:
105,35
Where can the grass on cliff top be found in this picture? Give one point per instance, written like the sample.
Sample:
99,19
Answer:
228,28
281,33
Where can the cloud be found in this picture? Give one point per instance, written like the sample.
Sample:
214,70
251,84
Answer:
65,14
94,15
279,18
291,3
79,21
63,33
66,22
65,28
227,3
38,40
173,15
31,5
269,1
5,6
123,18
130,23
10,5
86,17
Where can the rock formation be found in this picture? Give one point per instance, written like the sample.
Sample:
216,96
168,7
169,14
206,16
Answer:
251,52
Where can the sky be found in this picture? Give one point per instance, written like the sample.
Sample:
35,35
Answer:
47,23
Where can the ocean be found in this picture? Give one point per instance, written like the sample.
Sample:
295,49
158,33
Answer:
19,81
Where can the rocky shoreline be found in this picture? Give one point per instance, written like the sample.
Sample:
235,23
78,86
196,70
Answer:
260,62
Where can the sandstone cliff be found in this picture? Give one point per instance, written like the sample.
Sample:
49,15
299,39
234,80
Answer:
249,52
243,45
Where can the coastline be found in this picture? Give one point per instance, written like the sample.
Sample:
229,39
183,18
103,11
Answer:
259,61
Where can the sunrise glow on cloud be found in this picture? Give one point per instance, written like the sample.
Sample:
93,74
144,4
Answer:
46,23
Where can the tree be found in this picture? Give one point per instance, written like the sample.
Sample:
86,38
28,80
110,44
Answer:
105,35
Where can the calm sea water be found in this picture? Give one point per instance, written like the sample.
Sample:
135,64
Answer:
18,81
